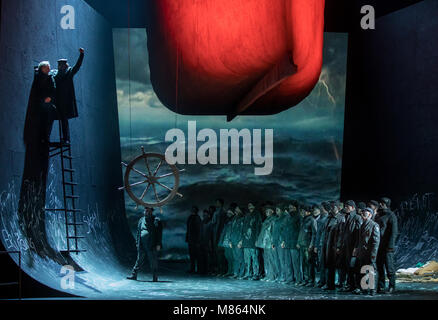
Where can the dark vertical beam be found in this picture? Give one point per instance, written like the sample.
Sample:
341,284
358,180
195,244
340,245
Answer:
390,136
1,4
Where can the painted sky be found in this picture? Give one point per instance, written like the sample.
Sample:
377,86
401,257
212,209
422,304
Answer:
321,113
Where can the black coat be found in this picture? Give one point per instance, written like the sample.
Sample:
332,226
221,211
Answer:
43,86
307,235
65,90
369,239
218,222
251,229
350,233
207,234
193,234
320,225
294,230
332,239
388,229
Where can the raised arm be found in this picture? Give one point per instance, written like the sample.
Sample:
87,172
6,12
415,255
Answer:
78,64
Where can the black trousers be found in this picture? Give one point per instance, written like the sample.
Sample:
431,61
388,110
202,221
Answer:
351,272
48,115
220,265
152,255
65,128
385,264
194,253
331,275
342,268
308,264
204,260
321,268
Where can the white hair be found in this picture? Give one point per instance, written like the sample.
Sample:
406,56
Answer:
43,64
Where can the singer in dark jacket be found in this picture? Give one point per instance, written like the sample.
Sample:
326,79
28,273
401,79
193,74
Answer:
366,249
65,93
149,242
332,243
388,224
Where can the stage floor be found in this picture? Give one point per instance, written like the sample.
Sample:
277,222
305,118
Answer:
180,285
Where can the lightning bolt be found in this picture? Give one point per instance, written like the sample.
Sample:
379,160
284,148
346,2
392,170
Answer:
323,81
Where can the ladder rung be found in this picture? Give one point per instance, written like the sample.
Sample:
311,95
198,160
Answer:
72,197
67,157
71,183
77,251
74,224
69,170
54,154
75,237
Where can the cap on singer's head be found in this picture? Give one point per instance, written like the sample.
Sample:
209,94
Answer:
350,203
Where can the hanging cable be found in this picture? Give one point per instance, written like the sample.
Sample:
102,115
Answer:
176,84
129,76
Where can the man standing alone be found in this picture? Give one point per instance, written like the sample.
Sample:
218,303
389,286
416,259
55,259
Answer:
149,242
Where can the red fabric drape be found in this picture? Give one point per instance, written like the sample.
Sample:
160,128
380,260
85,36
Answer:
225,49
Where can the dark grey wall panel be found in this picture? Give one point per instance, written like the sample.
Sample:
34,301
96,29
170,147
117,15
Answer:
391,137
31,32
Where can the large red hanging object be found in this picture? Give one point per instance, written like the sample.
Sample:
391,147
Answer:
231,57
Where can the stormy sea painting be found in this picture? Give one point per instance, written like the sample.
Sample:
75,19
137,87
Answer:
307,141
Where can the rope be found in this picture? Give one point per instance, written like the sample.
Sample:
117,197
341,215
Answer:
176,85
129,75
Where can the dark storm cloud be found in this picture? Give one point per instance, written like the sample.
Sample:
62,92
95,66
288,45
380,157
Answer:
142,95
138,55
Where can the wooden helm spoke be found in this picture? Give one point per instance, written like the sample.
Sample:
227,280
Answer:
155,191
138,183
139,172
166,187
147,165
165,175
145,191
158,167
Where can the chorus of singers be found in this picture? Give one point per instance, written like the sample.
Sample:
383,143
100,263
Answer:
332,245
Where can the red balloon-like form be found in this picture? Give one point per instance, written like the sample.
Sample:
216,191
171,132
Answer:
231,57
